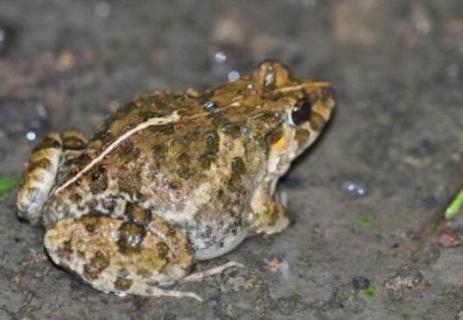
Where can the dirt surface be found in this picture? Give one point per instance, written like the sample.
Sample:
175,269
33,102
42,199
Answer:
364,201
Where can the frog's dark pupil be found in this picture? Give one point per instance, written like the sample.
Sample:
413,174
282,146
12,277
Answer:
301,111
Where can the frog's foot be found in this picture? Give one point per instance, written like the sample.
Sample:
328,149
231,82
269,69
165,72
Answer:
269,217
39,177
273,220
200,276
138,257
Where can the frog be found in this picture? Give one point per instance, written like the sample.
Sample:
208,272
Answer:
172,179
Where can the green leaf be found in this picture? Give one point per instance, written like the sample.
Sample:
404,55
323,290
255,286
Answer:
369,292
8,183
364,222
455,206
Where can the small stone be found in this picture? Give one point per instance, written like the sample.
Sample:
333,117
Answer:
449,239
360,283
406,278
346,298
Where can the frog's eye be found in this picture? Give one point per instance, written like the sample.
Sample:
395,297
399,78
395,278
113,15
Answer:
301,112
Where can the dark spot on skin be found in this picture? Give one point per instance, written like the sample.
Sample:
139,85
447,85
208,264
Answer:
317,121
173,185
205,161
43,163
99,179
263,145
273,136
146,114
97,264
83,160
123,284
104,134
131,237
230,129
163,250
138,215
184,173
268,117
184,159
129,181
90,223
75,198
165,129
302,135
48,142
65,250
237,166
159,154
74,143
213,142
144,273
126,147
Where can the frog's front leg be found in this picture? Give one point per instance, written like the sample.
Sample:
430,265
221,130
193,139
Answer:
48,158
135,257
268,216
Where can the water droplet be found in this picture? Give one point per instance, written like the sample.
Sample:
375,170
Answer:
20,117
210,106
355,188
102,9
6,36
220,57
233,75
31,136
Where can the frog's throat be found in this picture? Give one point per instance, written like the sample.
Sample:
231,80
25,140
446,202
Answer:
150,122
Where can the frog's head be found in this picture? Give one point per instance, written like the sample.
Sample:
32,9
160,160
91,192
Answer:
299,111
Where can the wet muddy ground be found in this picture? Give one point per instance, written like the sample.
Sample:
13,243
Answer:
365,201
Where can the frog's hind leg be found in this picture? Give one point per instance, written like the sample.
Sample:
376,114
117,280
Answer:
113,255
52,156
39,177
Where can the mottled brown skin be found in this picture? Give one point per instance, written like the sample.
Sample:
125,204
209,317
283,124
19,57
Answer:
135,208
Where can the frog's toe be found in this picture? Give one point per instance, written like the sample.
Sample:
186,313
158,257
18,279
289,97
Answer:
39,178
272,220
121,257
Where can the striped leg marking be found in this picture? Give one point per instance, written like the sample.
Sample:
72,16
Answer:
39,178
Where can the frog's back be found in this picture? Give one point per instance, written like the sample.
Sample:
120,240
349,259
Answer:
185,169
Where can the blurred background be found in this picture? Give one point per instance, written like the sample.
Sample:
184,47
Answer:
365,242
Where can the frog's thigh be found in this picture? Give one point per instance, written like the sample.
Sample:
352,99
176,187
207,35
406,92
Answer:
122,257
39,177
269,216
